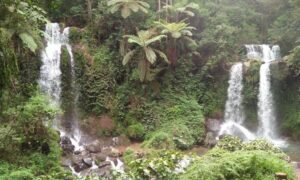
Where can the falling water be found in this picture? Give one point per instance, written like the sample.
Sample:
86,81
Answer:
266,111
50,73
234,111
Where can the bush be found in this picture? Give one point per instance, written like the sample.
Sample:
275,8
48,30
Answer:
157,165
260,144
181,125
136,131
254,165
159,140
230,143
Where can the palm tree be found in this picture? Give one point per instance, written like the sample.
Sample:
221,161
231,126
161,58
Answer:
179,10
175,31
128,6
144,40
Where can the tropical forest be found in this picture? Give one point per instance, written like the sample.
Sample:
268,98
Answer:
149,89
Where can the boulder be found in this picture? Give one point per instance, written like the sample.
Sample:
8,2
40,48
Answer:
121,140
213,125
115,152
66,145
79,164
99,157
94,147
88,161
210,140
104,164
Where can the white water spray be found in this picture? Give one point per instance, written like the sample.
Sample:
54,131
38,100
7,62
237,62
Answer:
234,110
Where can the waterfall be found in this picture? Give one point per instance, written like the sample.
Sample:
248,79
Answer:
234,111
50,75
266,109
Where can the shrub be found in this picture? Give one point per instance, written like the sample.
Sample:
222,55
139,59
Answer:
136,131
254,165
157,165
159,140
230,143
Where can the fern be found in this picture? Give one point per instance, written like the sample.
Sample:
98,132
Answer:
28,41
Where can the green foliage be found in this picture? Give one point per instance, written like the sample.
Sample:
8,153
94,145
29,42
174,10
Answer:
98,83
181,124
136,131
254,165
294,62
261,144
158,165
230,143
26,126
159,140
144,40
176,30
127,6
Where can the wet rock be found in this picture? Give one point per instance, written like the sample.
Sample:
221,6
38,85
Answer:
120,141
106,151
88,161
104,164
66,145
210,140
115,152
100,157
80,167
213,125
95,147
79,164
65,161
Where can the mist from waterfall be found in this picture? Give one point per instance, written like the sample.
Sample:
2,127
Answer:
234,110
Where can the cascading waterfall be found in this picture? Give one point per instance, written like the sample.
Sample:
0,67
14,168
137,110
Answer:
234,112
76,134
266,109
50,73
234,116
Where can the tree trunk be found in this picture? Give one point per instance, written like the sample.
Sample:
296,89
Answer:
89,4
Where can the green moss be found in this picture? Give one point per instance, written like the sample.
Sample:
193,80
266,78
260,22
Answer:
250,92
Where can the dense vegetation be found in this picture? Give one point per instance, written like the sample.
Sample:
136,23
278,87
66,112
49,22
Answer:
157,69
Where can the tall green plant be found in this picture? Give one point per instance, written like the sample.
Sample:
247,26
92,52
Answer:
174,32
147,54
127,7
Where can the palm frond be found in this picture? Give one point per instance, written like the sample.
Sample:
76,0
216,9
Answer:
162,55
150,54
128,56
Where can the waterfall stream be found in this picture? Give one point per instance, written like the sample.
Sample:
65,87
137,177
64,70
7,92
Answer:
50,75
234,110
266,108
234,116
